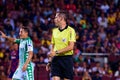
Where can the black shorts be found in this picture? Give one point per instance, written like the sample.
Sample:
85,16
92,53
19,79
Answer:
62,66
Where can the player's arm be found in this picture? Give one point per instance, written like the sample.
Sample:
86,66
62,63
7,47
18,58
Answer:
7,37
28,60
29,57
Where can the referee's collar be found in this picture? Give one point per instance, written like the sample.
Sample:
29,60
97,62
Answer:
63,28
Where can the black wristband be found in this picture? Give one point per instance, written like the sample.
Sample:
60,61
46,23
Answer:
49,64
56,52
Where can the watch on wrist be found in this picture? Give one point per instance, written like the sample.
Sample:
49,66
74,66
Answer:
56,52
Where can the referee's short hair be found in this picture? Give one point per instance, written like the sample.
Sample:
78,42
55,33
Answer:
63,14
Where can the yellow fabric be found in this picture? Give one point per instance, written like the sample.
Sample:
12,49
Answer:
1,55
82,22
61,39
45,41
111,20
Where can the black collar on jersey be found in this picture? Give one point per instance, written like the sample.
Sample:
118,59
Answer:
63,28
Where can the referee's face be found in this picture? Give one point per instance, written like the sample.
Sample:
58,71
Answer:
57,20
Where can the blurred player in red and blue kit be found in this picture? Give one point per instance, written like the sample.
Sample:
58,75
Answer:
14,60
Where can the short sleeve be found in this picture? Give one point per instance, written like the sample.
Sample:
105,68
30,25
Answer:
52,39
29,45
72,35
17,41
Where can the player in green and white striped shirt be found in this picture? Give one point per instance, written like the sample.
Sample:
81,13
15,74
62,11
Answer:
25,70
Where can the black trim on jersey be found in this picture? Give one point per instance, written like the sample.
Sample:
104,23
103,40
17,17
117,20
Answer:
63,28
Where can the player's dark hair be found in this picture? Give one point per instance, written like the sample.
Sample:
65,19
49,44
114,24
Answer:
26,29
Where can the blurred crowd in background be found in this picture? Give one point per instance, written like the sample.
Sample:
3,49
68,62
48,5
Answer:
97,26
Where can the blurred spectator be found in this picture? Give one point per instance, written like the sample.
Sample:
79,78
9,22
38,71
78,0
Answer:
36,42
41,62
97,67
10,20
2,51
96,76
83,22
89,60
2,73
91,41
79,59
111,18
104,7
106,67
82,68
35,58
102,21
86,76
71,6
14,59
118,78
117,73
77,53
84,43
76,69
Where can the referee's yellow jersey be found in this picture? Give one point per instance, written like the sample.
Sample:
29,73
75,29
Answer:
61,39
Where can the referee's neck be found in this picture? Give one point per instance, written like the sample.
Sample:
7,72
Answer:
63,26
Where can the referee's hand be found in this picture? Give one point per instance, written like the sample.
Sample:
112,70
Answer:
48,66
52,54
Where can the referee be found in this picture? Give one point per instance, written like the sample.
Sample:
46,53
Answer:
63,39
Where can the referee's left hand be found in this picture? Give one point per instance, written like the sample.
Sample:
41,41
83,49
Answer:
52,54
